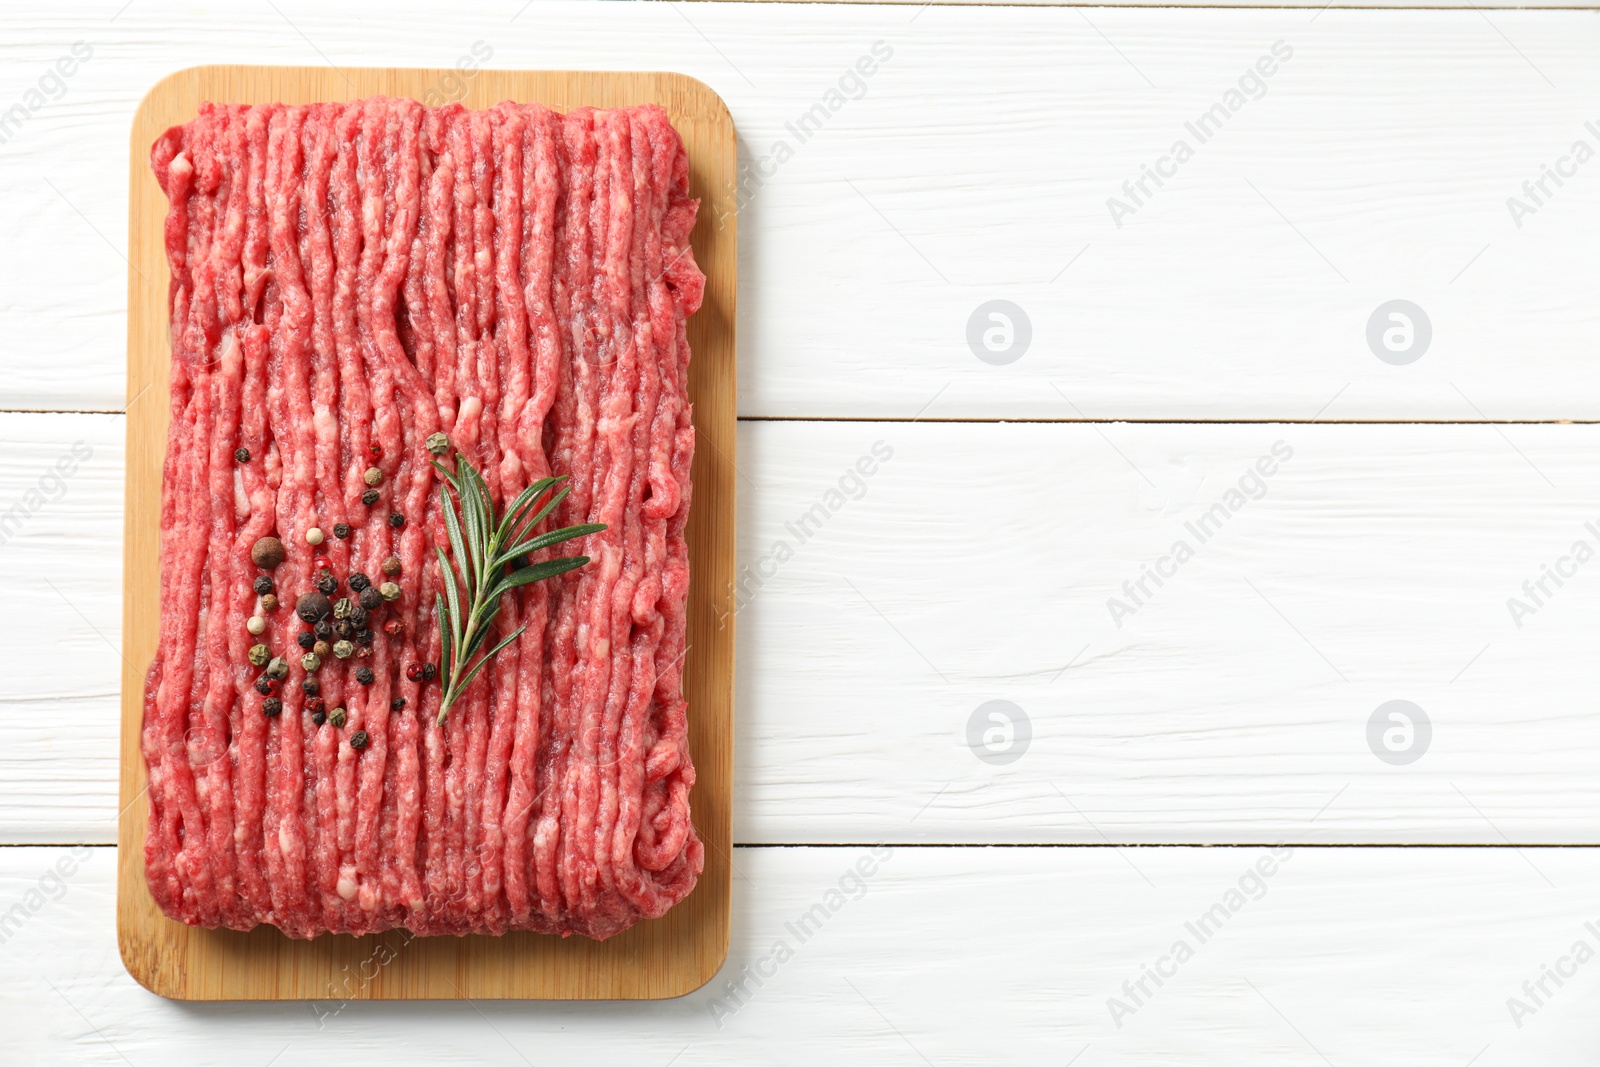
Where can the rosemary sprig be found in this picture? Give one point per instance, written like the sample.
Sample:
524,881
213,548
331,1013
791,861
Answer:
484,545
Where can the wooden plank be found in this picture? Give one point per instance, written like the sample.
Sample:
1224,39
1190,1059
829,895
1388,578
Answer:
993,549
657,958
1342,956
1378,166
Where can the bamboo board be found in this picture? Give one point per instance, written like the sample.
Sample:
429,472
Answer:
661,958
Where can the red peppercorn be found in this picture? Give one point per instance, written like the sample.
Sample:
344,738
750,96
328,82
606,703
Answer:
414,672
375,450
322,563
393,627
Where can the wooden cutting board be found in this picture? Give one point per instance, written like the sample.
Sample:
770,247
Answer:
662,958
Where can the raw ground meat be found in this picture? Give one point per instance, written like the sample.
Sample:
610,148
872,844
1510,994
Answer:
348,279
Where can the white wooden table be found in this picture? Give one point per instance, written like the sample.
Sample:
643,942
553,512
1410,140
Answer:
1036,893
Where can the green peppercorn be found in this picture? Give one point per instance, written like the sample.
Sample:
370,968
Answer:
337,717
342,607
259,654
358,740
438,444
278,668
370,497
389,591
343,649
311,662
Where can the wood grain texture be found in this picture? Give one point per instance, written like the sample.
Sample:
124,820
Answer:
657,958
989,143
943,956
1205,718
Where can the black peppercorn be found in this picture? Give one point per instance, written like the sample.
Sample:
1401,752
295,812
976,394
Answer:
341,530
311,687
319,717
370,598
370,497
263,685
364,675
262,585
344,628
323,629
397,520
327,585
358,740
429,672
358,581
359,617
397,703
272,707
363,637
241,455
306,640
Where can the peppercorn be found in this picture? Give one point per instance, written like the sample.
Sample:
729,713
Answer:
397,703
316,707
375,450
390,566
373,476
393,627
256,624
363,637
310,687
358,740
358,616
259,654
358,581
342,649
370,497
321,563
323,629
327,585
397,520
337,716
414,672
278,668
364,675
313,606
306,640
321,649
241,455
438,444
344,628
342,608
272,707
314,536
269,602
319,717
363,651
371,598
428,672
265,685
267,553
341,530
311,662
389,591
